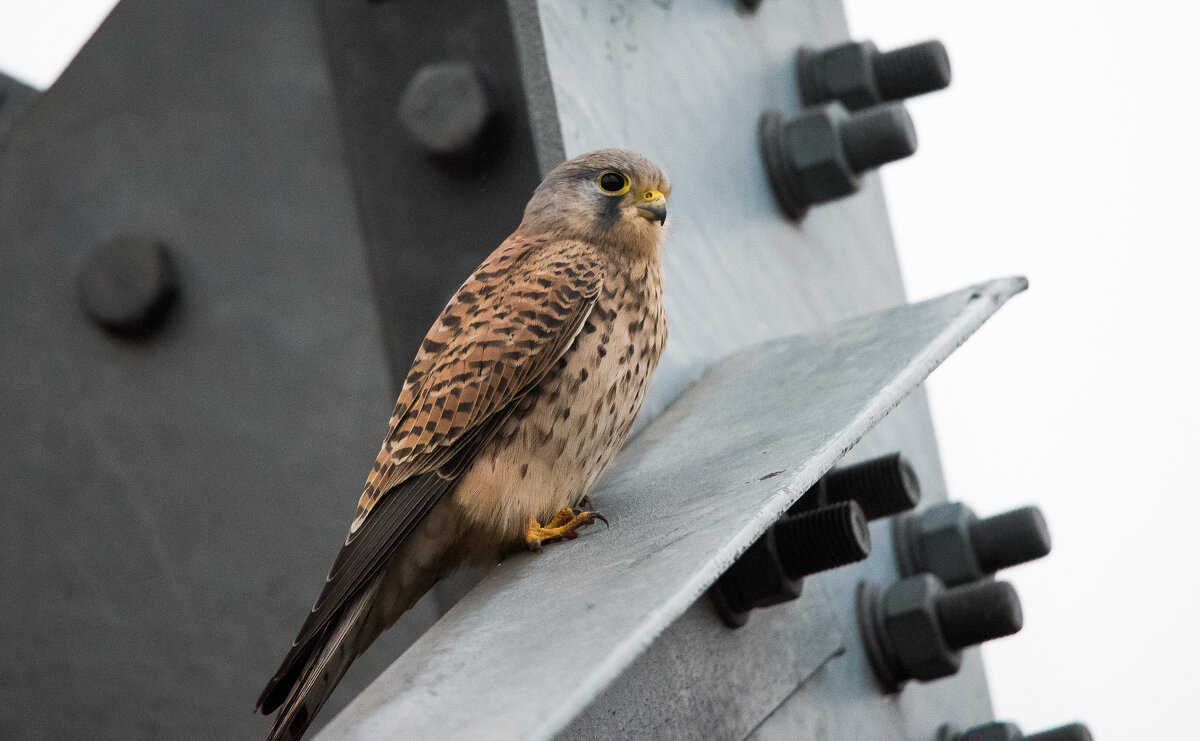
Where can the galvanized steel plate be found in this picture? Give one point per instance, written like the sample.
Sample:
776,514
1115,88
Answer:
543,635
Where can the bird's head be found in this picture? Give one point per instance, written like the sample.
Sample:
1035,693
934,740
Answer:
611,196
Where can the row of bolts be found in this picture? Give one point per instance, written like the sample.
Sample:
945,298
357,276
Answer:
946,599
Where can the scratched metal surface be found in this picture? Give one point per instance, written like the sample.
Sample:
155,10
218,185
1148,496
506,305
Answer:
684,499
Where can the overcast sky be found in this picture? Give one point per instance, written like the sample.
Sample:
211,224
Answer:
1065,151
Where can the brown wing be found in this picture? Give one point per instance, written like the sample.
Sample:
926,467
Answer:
503,330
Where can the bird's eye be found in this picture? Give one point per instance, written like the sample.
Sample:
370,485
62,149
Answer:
614,183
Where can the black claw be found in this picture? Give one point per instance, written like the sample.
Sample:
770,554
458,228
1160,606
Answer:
601,518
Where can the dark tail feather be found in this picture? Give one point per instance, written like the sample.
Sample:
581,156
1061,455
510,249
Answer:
311,680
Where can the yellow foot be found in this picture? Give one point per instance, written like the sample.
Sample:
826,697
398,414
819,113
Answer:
563,526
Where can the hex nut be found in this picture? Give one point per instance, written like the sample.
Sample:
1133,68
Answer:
944,540
843,73
820,155
910,618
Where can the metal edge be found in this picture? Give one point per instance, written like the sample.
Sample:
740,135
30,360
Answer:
996,293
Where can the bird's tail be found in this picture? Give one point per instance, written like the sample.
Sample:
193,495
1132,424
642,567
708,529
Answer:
340,645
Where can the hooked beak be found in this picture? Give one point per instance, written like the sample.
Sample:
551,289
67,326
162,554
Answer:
653,207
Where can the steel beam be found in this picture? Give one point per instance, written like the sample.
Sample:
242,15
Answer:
172,503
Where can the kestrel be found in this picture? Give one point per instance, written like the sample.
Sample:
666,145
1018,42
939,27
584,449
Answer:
523,390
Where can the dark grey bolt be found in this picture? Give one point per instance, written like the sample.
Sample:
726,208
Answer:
445,108
974,613
883,486
918,628
949,541
1010,538
858,75
771,570
128,285
999,731
1070,732
876,137
820,155
822,539
990,732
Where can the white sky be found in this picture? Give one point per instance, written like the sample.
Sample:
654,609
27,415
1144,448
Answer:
1065,150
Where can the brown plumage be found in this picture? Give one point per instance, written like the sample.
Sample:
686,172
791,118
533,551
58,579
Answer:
523,390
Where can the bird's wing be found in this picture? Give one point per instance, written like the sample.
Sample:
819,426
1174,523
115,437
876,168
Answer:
505,328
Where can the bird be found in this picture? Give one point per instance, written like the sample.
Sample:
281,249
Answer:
520,395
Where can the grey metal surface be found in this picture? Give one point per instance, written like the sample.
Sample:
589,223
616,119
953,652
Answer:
426,222
700,679
15,97
698,486
171,505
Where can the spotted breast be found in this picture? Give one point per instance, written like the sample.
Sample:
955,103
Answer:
563,434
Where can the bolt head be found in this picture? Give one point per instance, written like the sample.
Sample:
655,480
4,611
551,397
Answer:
944,544
445,108
911,622
128,285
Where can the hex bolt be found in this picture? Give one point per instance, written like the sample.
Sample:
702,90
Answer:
821,154
859,76
1069,732
997,731
128,285
951,542
918,628
883,486
771,571
446,109
1001,731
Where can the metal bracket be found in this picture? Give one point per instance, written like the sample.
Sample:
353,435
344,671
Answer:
701,483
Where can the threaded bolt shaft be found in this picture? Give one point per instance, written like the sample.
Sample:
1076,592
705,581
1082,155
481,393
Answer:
912,70
882,486
822,539
877,136
974,613
1010,538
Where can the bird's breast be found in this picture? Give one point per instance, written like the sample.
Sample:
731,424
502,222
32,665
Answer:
564,433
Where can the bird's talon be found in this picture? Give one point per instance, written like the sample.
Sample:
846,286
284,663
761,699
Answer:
564,525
